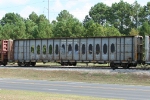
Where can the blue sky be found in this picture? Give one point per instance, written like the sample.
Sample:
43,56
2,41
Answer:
78,8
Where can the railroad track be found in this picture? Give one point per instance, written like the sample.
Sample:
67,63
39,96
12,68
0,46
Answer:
77,67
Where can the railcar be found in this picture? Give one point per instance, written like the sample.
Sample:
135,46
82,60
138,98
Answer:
6,51
124,51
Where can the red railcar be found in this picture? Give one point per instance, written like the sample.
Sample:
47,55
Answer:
6,51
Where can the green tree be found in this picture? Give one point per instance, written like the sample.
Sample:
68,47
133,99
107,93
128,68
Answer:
86,19
111,31
6,31
13,26
44,27
93,29
38,26
99,13
11,18
64,15
19,31
120,16
34,17
145,29
138,14
147,10
134,32
30,29
67,26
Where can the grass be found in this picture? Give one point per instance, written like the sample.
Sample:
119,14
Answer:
98,77
118,78
28,95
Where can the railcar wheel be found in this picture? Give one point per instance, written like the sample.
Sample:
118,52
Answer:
62,63
25,65
19,63
74,64
66,64
5,63
112,65
70,64
126,66
33,63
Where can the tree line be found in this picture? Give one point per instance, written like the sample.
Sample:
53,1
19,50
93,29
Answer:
116,20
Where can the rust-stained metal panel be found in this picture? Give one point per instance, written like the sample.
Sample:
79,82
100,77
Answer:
3,50
10,50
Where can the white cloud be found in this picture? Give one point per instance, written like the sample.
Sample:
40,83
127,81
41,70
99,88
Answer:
11,2
19,1
57,6
78,8
72,3
28,10
2,2
80,13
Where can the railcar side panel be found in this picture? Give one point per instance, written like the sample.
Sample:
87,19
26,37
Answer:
32,50
147,49
56,49
112,49
27,51
90,51
10,51
63,48
20,50
129,49
44,55
50,50
120,49
97,49
83,49
15,50
38,49
70,49
76,49
125,48
105,49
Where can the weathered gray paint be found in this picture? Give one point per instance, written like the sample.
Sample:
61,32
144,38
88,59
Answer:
147,49
125,49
